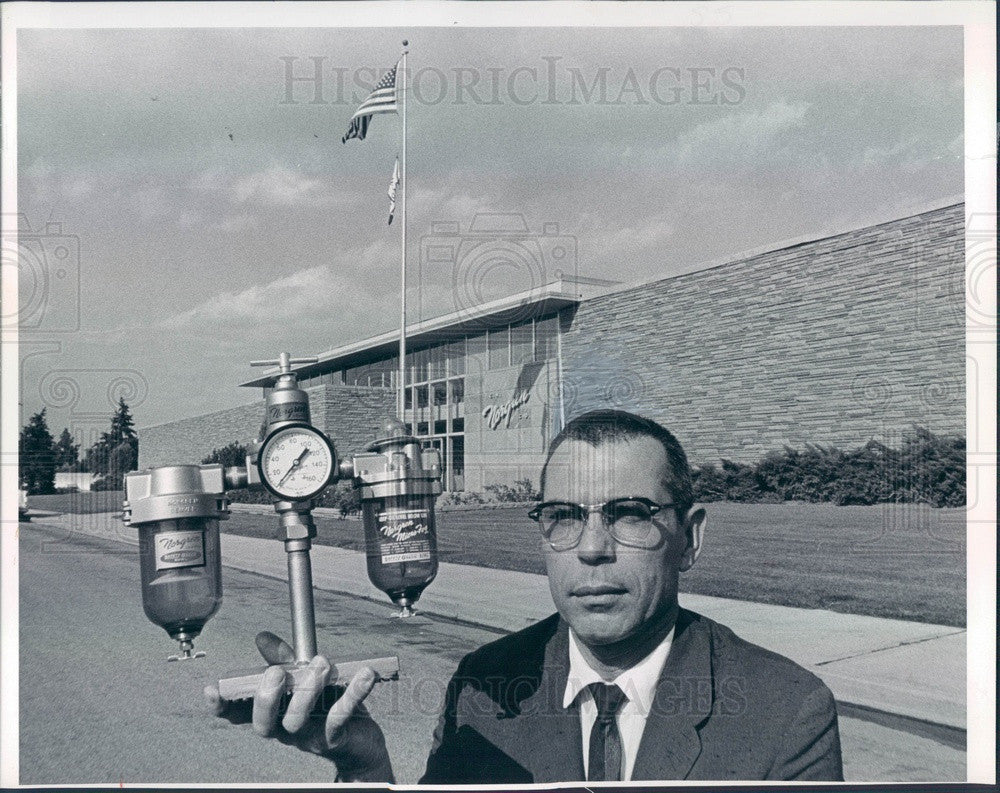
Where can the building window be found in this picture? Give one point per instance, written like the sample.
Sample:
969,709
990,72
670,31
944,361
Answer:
546,338
499,347
455,355
440,394
420,363
458,459
409,368
437,357
520,344
435,378
475,347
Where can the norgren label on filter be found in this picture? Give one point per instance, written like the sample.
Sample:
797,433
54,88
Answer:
180,549
404,536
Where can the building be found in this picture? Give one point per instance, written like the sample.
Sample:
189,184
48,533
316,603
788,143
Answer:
837,340
74,479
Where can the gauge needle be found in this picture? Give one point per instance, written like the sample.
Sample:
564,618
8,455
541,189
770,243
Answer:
295,464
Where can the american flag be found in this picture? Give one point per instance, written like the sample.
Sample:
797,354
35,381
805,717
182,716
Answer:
381,100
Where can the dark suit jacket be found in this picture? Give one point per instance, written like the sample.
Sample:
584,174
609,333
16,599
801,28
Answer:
724,709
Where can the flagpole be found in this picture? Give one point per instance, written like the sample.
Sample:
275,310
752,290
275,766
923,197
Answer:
400,395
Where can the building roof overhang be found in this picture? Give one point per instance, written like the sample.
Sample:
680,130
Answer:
539,302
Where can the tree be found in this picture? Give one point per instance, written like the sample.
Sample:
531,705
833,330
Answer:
37,456
122,425
67,452
233,454
117,451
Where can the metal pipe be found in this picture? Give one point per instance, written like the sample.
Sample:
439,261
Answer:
300,592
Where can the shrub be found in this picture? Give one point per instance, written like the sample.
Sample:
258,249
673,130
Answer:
522,490
254,494
459,498
343,496
927,468
233,454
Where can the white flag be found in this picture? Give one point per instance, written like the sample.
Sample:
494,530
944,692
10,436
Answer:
392,190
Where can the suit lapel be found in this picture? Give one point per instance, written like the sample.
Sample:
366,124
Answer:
554,752
670,743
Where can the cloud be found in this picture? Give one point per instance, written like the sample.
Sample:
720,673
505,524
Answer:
337,291
744,133
279,186
284,298
51,187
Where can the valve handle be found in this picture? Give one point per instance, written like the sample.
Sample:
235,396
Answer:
285,362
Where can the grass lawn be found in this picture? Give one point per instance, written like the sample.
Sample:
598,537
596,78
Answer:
905,561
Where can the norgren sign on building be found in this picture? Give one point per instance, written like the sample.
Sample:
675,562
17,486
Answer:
495,414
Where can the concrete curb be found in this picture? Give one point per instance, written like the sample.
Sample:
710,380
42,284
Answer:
915,671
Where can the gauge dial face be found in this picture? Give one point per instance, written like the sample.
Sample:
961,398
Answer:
296,462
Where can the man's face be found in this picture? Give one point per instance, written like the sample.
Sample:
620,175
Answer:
604,590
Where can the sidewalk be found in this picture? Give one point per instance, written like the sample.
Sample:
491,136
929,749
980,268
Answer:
909,669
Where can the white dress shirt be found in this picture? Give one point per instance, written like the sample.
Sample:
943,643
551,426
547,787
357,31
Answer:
638,684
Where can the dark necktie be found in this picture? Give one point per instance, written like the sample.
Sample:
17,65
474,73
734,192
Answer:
605,759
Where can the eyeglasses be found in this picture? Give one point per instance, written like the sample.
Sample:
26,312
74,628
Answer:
629,520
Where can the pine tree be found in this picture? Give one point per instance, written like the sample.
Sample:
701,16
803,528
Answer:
117,451
67,452
122,425
37,456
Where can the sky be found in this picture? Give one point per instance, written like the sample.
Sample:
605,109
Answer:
213,216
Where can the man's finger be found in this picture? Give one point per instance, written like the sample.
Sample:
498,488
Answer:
306,693
274,649
359,688
267,700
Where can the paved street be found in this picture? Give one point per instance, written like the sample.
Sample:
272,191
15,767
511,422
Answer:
100,704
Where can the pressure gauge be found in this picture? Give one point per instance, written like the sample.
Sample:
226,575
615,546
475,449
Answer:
296,462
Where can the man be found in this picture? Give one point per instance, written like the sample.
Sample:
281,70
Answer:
621,683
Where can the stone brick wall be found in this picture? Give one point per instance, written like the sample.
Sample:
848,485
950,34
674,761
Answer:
350,415
836,341
190,440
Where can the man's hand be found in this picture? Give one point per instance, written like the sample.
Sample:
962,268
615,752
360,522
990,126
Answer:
348,735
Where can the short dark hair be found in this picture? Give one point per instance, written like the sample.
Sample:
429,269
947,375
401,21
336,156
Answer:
603,426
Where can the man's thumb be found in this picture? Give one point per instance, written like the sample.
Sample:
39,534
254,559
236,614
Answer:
274,649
